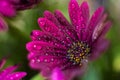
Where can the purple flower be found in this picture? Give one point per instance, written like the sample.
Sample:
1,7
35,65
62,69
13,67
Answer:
9,8
68,47
8,74
24,4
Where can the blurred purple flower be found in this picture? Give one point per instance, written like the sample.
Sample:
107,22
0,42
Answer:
68,47
8,74
8,8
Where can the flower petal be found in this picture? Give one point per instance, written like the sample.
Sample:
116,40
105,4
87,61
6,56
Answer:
73,11
106,28
51,17
62,20
66,27
37,46
46,63
99,47
7,71
40,46
57,74
7,9
99,28
96,18
48,26
83,17
15,76
37,35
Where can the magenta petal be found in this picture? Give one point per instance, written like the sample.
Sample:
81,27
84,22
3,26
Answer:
6,8
8,70
37,35
95,18
83,17
66,27
47,25
57,74
73,11
60,17
3,24
99,28
16,76
51,17
77,71
37,46
98,48
106,28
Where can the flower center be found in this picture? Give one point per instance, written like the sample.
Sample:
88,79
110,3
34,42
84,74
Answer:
77,52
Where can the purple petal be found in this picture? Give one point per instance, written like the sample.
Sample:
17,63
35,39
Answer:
83,17
60,17
3,24
57,74
37,35
99,28
106,28
73,11
7,8
77,71
8,70
65,27
49,27
99,47
16,76
96,17
40,46
46,63
51,17
35,46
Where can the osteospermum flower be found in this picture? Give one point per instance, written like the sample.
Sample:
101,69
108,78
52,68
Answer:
66,48
8,8
8,74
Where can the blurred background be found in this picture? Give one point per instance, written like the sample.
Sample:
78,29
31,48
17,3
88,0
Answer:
13,41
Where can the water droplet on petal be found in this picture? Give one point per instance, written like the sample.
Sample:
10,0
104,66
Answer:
42,23
38,60
52,59
45,60
73,5
33,61
47,28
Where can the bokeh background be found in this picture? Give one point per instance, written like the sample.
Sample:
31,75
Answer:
13,41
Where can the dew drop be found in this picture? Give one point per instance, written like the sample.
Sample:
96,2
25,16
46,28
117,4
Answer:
45,60
52,59
73,5
47,28
33,61
38,60
42,23
81,18
34,46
